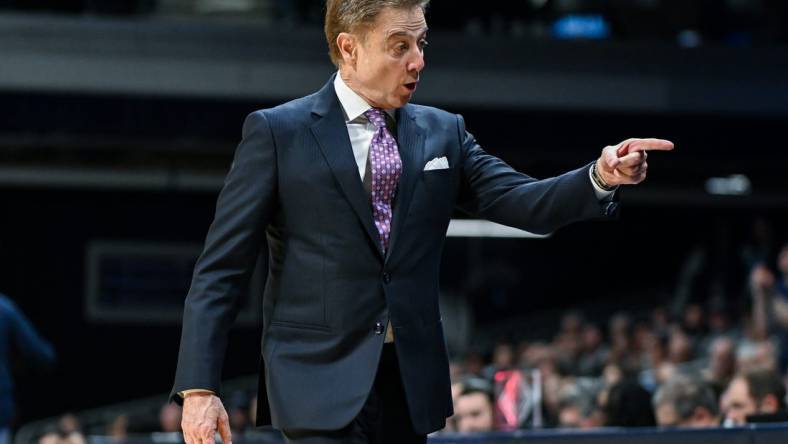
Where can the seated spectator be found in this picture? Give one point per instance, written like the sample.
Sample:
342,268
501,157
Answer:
170,418
473,411
576,404
67,431
685,402
755,392
627,404
593,352
238,412
722,364
118,429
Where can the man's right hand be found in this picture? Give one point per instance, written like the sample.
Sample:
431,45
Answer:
203,415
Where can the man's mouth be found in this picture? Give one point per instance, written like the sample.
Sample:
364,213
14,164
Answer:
411,86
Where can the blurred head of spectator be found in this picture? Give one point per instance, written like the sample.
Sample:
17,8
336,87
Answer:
567,341
593,353
753,392
474,363
719,320
456,370
575,406
68,424
237,409
170,418
118,429
659,318
620,327
694,322
591,338
685,402
679,347
754,355
67,431
629,405
722,362
473,409
782,267
503,356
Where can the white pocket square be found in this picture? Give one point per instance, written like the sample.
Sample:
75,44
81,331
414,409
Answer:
438,163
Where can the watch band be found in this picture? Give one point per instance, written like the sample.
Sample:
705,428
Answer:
599,181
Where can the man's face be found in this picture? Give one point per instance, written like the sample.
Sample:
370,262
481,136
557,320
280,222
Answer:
473,413
737,403
388,58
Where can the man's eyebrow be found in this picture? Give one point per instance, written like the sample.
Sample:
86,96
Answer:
405,34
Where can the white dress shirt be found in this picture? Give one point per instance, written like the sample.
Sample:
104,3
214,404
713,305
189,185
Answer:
361,130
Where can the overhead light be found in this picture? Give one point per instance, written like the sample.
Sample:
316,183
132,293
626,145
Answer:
733,185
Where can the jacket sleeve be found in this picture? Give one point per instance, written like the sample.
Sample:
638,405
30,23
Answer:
496,191
221,274
27,341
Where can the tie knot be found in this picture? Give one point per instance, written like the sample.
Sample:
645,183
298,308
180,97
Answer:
376,116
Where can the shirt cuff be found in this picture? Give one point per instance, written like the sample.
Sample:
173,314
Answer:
185,393
600,193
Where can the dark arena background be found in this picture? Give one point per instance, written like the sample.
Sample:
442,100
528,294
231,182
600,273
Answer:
118,121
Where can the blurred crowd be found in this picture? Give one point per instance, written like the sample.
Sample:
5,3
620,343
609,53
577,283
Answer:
163,427
703,368
685,22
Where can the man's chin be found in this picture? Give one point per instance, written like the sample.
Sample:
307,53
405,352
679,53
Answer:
402,101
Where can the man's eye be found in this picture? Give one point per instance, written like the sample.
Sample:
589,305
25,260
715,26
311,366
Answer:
423,44
402,47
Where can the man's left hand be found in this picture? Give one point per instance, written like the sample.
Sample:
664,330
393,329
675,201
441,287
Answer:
625,163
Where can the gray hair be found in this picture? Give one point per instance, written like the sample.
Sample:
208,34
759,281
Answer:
686,394
352,15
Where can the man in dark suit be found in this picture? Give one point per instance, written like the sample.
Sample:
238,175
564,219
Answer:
17,334
353,189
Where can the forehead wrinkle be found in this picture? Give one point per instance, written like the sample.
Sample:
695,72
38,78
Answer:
409,31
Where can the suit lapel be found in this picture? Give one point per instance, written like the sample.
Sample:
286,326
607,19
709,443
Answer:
410,140
331,134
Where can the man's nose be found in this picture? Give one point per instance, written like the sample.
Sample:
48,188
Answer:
417,62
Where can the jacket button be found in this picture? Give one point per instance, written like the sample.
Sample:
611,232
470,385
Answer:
379,328
386,277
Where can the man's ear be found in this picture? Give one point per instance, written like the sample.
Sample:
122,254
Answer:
346,43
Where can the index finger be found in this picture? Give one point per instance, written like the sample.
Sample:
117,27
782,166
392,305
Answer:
635,145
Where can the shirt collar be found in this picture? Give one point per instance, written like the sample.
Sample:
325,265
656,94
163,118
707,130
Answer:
353,105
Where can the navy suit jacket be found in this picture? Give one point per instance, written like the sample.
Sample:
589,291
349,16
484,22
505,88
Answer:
294,186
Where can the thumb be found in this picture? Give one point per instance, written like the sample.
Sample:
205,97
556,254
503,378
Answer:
223,424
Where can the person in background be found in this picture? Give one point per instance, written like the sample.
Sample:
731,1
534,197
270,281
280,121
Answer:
685,402
722,364
758,395
473,410
17,334
629,405
170,418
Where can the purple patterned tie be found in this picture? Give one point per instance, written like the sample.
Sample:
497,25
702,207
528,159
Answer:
386,168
